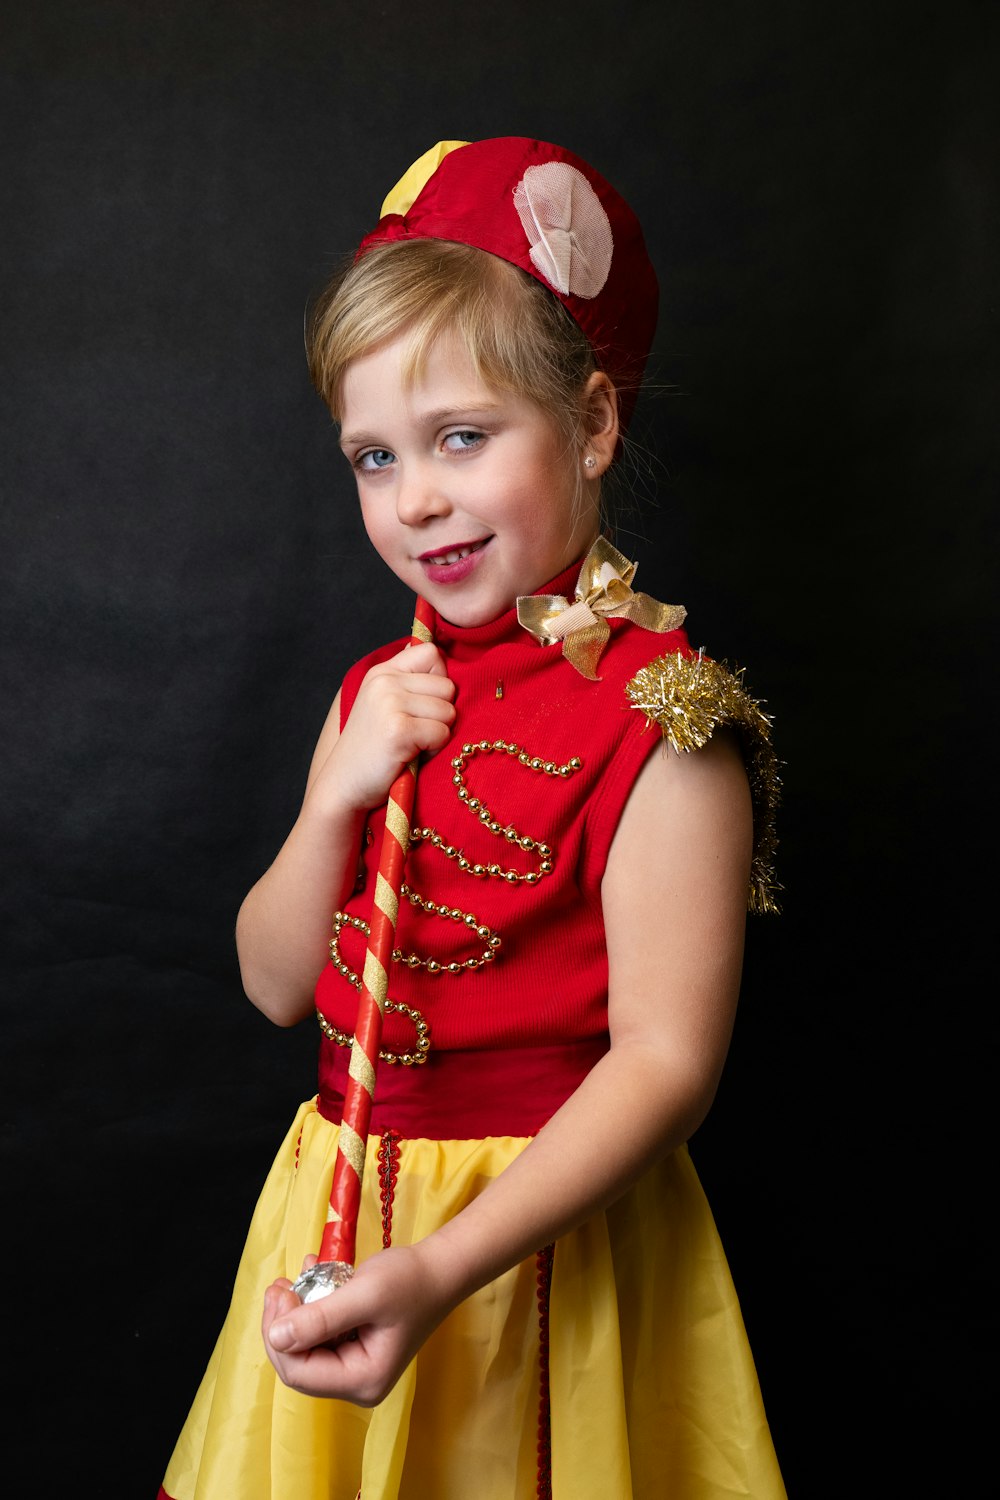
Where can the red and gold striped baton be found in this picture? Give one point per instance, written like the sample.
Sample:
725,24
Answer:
338,1245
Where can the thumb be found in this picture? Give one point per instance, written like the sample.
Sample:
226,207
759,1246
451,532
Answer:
422,657
297,1326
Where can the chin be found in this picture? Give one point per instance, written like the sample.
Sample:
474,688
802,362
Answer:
469,613
469,619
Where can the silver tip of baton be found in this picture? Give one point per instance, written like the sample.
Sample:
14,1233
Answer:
320,1280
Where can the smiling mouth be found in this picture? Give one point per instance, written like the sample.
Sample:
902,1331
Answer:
453,554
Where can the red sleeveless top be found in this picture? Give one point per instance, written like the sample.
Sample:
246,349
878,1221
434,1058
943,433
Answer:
501,974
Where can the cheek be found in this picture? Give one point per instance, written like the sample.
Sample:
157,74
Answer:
521,505
373,520
554,515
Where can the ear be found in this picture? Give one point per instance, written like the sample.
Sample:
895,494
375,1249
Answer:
600,423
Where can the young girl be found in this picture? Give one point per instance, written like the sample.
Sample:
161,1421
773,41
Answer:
541,1305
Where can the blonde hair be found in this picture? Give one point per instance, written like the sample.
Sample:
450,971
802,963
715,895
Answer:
518,336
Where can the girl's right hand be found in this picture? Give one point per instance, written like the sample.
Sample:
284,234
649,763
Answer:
404,708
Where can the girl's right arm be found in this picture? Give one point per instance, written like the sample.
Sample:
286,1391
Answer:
403,708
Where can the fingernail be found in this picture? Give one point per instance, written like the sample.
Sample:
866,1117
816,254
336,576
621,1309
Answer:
280,1335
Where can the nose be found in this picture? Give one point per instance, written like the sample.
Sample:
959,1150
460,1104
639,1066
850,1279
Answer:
420,495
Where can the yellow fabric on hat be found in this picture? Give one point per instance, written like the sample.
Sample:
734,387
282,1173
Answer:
400,199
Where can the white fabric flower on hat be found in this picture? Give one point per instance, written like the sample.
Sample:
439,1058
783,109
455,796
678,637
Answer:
568,231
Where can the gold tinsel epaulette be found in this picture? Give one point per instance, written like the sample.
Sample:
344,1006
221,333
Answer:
689,697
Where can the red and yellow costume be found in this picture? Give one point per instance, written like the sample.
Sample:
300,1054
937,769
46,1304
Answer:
617,1364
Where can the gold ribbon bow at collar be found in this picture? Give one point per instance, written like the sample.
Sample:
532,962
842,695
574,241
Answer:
602,593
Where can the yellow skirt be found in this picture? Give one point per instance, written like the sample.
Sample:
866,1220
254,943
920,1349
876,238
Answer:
651,1386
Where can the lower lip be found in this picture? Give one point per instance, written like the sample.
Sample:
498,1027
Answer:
455,572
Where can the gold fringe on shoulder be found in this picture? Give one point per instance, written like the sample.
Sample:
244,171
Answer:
689,697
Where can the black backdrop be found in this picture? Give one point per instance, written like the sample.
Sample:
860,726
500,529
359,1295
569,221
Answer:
185,580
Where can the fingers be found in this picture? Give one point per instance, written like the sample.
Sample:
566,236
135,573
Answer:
304,1343
406,712
355,1343
425,658
403,709
279,1301
415,702
424,726
345,1372
294,1326
293,1329
413,684
423,667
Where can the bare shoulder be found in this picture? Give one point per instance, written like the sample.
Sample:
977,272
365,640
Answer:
702,795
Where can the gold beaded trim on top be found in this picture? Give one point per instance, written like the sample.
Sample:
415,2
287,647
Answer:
479,810
413,960
477,807
689,697
421,1045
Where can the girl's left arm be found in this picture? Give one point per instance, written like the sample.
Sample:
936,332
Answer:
674,898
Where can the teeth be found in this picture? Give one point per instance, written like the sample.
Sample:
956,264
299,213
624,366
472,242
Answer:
444,558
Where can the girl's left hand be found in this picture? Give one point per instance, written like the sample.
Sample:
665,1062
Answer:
355,1343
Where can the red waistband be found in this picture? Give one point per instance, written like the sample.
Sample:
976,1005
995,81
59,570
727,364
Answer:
465,1095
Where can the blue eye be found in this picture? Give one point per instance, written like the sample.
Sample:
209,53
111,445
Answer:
458,442
375,458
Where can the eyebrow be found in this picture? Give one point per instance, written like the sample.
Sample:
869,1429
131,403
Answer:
455,413
429,419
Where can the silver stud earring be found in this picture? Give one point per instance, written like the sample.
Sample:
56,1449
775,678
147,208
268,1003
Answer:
590,462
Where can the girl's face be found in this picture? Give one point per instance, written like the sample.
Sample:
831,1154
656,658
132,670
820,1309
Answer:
469,495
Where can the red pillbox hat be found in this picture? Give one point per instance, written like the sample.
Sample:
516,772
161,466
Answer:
544,209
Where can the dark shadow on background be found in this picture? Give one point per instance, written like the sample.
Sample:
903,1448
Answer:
185,582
